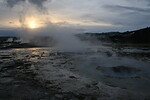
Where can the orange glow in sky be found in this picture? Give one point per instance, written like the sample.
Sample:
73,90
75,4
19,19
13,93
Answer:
32,25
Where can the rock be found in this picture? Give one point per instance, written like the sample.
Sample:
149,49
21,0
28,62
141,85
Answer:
72,77
27,64
6,80
19,67
88,85
73,99
99,68
1,62
6,57
59,96
108,54
88,98
94,82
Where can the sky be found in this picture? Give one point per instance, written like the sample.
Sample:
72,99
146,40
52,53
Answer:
81,15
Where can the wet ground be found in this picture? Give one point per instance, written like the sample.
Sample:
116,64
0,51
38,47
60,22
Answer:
98,73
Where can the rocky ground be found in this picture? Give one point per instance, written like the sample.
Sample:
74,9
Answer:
97,74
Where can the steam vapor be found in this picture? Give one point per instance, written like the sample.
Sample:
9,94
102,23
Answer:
63,35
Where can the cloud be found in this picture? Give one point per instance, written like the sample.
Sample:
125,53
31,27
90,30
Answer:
128,15
12,3
38,3
126,8
89,13
148,2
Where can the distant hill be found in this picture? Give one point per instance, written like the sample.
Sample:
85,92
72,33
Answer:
137,36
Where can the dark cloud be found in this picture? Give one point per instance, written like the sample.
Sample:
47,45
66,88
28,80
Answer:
38,3
128,16
148,2
11,3
126,8
141,1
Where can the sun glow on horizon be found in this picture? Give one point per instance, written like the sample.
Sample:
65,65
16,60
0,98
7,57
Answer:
32,25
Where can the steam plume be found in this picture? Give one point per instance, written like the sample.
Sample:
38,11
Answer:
66,41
